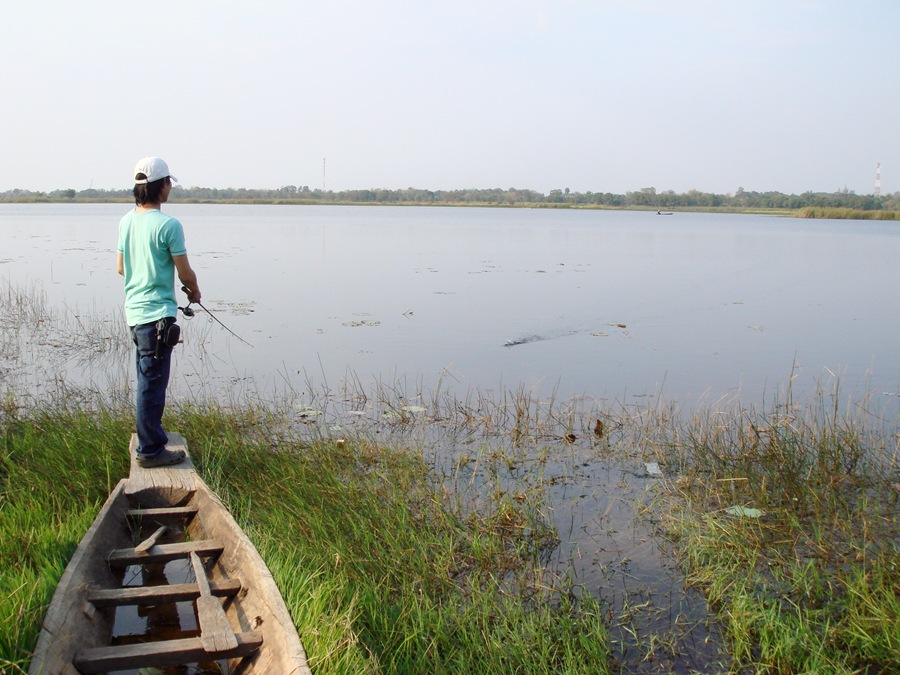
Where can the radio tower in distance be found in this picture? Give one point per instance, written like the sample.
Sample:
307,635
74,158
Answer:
878,179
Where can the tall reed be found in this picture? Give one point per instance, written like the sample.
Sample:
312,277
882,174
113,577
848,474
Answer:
836,213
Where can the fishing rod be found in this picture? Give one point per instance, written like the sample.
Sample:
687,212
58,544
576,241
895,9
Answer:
188,313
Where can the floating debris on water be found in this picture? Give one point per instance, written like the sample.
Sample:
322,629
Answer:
653,469
304,411
240,308
523,341
357,324
743,512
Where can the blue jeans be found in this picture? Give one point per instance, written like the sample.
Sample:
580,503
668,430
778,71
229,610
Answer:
152,380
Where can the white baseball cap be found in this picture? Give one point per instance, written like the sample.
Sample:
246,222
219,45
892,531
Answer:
153,168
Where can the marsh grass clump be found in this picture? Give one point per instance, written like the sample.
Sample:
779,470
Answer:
788,521
837,213
28,322
412,576
44,350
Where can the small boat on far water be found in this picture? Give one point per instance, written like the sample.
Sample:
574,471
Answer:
664,213
166,577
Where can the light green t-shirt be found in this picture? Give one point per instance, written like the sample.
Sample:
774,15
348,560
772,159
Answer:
147,242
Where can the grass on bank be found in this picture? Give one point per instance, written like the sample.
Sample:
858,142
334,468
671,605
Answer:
56,471
382,569
812,585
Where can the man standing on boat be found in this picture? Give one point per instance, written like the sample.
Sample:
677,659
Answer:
151,250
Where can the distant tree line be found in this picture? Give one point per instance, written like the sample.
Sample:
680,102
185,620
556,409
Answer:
644,198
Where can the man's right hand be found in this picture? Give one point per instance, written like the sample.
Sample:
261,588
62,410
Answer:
193,296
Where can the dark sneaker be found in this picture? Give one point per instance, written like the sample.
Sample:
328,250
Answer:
165,458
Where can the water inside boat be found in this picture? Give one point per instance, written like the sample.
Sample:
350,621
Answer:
135,624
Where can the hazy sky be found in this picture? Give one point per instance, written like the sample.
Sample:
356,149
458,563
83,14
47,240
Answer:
603,96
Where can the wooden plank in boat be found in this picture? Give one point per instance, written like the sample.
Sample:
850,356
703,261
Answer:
165,653
158,595
216,633
150,541
162,516
162,485
122,557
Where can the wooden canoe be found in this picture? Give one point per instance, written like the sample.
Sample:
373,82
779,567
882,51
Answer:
226,612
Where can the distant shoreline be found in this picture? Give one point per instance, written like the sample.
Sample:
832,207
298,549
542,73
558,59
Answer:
649,199
804,212
337,202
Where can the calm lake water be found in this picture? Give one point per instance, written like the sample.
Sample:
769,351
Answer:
605,304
